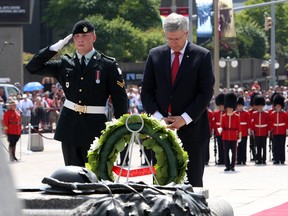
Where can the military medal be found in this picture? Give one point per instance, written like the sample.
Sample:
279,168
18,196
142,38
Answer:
67,84
97,77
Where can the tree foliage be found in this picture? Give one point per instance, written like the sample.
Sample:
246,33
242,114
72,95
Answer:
121,25
256,15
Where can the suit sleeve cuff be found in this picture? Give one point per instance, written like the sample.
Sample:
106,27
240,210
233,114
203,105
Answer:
187,118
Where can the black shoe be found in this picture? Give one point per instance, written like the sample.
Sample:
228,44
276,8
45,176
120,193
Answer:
258,163
276,162
244,163
227,169
264,162
238,163
282,162
232,169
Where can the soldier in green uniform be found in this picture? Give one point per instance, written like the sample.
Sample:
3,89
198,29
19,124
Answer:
88,79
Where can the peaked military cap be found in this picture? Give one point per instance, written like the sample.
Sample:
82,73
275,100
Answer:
83,26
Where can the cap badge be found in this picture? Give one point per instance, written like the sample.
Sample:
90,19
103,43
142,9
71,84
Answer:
85,29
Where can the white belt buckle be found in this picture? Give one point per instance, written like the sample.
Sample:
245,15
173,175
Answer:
80,109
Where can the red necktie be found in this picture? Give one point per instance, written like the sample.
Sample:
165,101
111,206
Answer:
174,70
175,66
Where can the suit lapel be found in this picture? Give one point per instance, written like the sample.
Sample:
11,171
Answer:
165,64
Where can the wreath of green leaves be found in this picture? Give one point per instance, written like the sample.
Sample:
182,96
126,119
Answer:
171,158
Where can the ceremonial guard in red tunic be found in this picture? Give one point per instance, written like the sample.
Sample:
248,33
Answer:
251,137
231,130
245,123
217,114
279,127
260,128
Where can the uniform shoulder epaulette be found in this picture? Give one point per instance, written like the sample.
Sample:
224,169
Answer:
108,57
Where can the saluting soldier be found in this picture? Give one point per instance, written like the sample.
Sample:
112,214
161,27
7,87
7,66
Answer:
88,79
279,126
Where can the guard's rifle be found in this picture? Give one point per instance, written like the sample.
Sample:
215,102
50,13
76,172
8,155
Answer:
215,147
270,146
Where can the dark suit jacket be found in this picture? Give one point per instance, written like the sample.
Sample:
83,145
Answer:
192,90
81,87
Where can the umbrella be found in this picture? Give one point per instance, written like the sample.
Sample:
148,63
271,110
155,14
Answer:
32,86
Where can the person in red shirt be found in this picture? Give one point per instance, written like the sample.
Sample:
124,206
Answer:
245,123
217,114
12,128
279,126
231,130
260,127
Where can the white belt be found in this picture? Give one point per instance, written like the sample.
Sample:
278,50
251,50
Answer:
281,124
84,109
243,123
218,123
261,126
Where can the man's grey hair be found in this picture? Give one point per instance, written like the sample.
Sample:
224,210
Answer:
175,22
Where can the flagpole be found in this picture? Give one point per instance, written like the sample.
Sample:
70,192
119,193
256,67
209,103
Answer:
216,49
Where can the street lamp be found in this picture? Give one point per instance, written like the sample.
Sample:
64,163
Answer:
230,62
266,66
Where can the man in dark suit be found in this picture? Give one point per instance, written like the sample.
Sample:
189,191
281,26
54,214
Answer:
88,79
183,104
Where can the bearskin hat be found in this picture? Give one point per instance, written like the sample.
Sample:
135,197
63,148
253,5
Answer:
230,100
219,100
279,99
252,98
273,96
240,100
259,100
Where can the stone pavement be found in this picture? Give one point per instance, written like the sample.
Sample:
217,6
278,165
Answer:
249,189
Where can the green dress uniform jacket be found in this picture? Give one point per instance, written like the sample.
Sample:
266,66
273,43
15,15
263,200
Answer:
100,79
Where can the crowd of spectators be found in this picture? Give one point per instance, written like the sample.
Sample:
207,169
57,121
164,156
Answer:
247,92
42,108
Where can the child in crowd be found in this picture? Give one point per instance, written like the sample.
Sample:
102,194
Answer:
231,130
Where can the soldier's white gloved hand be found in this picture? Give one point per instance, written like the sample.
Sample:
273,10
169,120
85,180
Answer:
61,43
219,130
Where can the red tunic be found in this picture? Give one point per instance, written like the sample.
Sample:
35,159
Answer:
260,123
210,119
278,122
245,122
12,122
217,120
231,127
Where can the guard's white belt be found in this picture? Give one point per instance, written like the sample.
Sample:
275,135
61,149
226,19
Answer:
84,109
280,124
261,126
243,123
